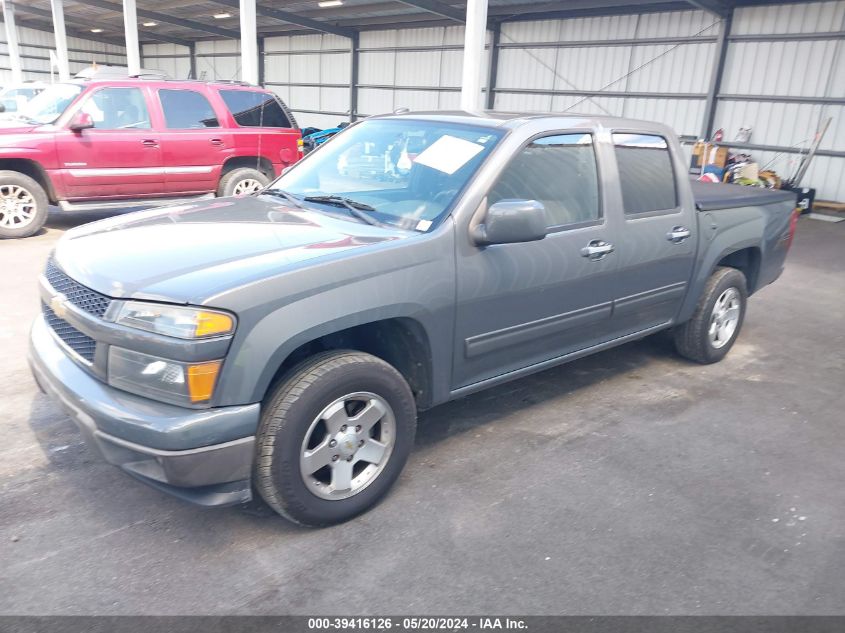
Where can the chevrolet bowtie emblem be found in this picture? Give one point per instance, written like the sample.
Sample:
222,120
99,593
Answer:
58,305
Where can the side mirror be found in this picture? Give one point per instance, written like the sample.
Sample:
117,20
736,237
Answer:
511,221
81,121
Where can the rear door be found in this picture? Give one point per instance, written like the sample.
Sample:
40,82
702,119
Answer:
120,156
657,242
261,127
194,143
522,304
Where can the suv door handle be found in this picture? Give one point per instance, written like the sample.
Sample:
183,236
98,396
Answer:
217,141
678,234
597,250
149,142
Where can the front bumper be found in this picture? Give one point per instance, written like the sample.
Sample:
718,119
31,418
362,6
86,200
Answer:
188,453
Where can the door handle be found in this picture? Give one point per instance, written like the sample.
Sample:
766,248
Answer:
217,141
678,234
597,250
149,142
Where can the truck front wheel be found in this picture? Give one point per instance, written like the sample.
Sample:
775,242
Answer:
23,205
711,332
333,437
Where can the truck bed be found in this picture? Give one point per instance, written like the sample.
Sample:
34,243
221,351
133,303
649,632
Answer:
712,196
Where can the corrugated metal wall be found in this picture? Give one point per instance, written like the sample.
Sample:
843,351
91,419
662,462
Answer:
765,83
172,59
311,74
653,66
35,49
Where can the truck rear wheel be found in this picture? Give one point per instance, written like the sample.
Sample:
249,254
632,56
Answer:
241,182
334,437
23,205
711,332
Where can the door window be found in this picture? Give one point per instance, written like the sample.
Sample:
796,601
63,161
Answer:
559,171
255,109
187,110
118,109
645,173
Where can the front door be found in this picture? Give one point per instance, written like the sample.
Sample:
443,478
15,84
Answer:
656,245
194,145
522,304
120,156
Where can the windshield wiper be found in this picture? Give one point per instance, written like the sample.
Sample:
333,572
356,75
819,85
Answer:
284,194
353,206
28,119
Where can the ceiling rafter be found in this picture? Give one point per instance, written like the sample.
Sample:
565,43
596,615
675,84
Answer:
292,18
164,18
712,6
438,8
69,17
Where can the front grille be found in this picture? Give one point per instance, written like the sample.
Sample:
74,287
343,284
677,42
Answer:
80,343
83,298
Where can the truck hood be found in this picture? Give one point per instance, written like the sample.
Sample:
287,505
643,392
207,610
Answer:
9,125
188,253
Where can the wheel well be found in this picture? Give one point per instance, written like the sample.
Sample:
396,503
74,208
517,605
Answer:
747,261
31,169
402,342
260,163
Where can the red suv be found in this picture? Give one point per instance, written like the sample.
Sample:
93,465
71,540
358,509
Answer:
115,143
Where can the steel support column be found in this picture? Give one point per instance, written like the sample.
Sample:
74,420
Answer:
493,70
353,77
474,36
12,42
249,42
261,68
58,9
192,58
716,77
130,29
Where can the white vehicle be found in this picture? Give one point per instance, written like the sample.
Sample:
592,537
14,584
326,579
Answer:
16,96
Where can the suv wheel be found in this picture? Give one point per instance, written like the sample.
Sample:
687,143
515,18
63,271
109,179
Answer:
242,182
334,437
23,205
711,332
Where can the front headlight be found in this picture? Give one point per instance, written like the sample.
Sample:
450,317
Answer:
162,379
176,321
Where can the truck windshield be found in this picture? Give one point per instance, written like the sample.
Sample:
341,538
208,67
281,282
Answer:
48,106
401,172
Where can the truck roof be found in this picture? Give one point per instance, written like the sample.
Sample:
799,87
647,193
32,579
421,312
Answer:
495,118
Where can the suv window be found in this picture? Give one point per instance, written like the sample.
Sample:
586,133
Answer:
117,109
255,109
645,173
559,171
187,110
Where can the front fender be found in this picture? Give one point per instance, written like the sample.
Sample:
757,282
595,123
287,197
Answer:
414,281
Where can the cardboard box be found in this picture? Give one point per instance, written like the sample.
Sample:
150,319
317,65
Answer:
715,155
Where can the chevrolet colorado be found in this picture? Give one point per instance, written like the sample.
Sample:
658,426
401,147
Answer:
282,342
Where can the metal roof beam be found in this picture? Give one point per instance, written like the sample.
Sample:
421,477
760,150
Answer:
711,6
572,6
292,18
164,18
437,8
48,28
75,20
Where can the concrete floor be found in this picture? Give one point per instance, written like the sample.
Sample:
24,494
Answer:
630,482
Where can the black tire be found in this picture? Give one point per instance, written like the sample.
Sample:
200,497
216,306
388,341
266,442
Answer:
692,339
287,416
230,181
39,196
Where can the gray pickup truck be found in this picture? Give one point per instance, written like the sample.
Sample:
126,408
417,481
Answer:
283,342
